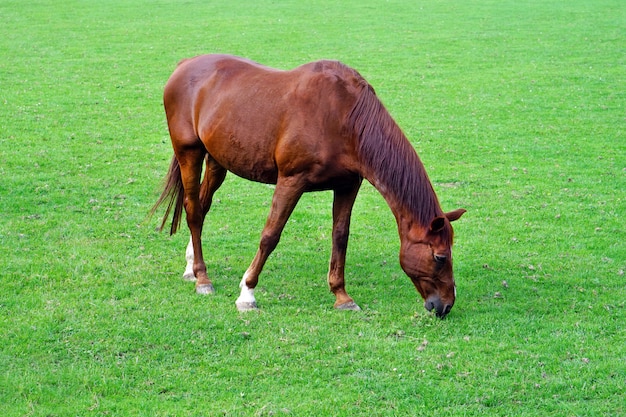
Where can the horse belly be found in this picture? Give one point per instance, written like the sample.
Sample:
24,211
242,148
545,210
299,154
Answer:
245,157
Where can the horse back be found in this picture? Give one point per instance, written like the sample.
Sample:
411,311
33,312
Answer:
260,122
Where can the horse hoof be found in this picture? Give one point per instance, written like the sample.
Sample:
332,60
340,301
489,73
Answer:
350,305
205,289
189,276
246,306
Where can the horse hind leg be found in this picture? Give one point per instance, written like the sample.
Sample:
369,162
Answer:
188,275
190,159
213,178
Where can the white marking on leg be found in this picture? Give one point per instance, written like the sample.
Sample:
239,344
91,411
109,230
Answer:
188,275
246,300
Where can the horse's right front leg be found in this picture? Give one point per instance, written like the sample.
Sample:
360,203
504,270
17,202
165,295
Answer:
286,196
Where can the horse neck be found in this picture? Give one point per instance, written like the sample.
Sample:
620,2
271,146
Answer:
389,161
410,219
398,174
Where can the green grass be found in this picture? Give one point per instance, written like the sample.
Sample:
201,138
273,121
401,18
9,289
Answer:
517,109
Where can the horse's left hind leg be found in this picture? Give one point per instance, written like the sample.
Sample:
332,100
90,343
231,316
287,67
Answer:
188,275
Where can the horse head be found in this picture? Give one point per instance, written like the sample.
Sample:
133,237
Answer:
426,257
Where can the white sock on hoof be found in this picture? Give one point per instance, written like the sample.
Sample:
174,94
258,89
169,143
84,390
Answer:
246,300
188,274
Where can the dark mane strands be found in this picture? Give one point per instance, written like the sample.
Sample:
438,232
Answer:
384,149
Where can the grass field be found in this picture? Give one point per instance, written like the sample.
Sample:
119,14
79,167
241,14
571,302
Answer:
518,110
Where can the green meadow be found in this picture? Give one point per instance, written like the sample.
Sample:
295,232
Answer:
517,109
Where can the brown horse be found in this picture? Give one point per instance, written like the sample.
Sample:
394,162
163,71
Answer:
317,127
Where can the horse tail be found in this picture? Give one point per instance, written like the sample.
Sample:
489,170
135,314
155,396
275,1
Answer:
173,193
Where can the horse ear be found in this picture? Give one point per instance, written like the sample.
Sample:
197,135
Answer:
437,224
455,215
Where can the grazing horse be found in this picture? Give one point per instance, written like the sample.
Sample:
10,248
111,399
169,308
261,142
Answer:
317,127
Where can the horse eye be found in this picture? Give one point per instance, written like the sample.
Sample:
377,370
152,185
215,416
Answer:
440,258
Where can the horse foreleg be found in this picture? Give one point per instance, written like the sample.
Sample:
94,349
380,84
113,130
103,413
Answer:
286,196
342,210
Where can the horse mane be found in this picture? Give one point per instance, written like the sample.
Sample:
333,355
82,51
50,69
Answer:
388,155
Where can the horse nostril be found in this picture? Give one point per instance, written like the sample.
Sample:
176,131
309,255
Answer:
444,311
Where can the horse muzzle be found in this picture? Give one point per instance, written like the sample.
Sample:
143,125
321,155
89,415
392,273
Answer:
434,303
